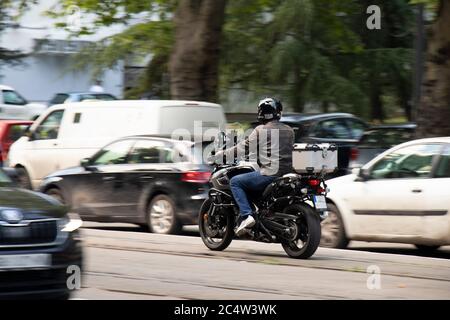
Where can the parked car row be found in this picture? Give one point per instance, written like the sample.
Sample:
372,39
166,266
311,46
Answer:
15,107
67,133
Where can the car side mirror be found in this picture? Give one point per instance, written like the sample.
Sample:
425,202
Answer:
363,175
12,175
87,165
30,134
85,162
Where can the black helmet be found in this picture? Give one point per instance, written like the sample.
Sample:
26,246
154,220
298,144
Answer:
269,109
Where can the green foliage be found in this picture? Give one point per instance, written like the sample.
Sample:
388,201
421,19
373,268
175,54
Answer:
10,10
309,53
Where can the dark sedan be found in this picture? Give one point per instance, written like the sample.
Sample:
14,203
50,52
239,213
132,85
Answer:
153,181
379,139
342,129
39,245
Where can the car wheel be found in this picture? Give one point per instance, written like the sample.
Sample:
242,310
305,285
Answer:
333,232
55,193
426,248
23,179
161,215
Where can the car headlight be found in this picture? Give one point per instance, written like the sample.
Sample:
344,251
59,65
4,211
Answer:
70,222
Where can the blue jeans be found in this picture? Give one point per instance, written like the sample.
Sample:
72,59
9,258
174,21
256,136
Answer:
248,182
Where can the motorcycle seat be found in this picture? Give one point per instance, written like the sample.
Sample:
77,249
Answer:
275,182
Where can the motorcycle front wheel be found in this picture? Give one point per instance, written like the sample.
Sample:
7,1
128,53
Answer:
216,231
308,233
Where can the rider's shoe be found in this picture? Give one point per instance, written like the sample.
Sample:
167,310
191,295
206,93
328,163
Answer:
246,223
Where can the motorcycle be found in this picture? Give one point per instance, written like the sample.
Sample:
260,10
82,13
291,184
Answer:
289,211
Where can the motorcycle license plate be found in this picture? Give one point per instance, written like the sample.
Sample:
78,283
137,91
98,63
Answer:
320,203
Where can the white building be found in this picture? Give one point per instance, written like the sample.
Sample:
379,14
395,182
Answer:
48,68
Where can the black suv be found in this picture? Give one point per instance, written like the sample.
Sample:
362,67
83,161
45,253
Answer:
342,129
40,247
147,180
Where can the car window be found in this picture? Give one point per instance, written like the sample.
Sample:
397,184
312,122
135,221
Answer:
83,97
149,151
115,153
49,128
16,131
414,161
385,138
59,98
356,127
443,167
106,97
332,129
12,97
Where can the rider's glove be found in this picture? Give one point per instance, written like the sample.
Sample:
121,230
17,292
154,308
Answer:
211,159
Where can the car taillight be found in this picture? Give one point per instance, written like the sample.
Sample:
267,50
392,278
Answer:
314,182
196,176
354,153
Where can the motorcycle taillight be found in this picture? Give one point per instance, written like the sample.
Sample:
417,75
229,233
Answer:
314,182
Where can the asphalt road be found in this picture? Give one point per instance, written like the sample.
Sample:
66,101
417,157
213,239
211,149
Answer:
124,262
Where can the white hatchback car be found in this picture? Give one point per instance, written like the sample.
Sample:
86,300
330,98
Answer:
14,107
402,196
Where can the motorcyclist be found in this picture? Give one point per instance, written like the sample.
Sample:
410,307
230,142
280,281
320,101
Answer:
274,141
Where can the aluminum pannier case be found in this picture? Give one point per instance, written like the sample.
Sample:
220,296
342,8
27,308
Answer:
314,158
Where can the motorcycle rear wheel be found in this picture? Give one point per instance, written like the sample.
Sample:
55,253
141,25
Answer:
214,243
310,231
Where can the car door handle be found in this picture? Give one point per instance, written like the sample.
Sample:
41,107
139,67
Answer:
108,178
416,190
146,177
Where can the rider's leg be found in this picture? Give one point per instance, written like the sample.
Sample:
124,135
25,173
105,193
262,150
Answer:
240,185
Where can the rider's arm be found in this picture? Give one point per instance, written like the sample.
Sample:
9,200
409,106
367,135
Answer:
240,148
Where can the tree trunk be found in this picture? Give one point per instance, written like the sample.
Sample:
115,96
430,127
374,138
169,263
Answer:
376,105
194,61
433,114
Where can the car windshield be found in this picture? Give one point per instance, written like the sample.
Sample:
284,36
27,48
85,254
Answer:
385,138
16,131
4,179
97,96
12,97
59,98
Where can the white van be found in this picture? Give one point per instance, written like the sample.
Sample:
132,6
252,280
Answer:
67,133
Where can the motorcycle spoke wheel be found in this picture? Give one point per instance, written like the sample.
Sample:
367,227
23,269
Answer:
216,234
308,237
